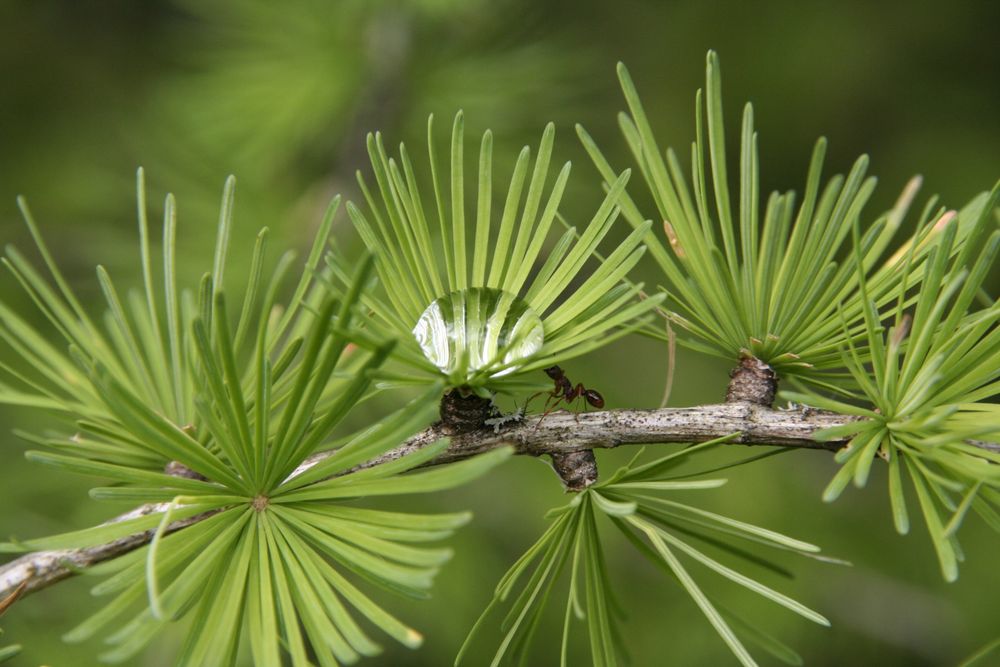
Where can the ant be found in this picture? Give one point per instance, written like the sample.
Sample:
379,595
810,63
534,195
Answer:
565,391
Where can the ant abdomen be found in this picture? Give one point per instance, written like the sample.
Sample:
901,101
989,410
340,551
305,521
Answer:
594,398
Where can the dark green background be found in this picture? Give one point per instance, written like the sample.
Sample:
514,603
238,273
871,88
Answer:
281,94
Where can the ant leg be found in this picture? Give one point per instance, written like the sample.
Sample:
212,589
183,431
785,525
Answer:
551,394
578,393
531,398
554,400
591,399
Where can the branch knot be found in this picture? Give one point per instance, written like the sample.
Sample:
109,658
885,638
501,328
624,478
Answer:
466,413
753,381
577,470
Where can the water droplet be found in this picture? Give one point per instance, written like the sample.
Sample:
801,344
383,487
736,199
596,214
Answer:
478,333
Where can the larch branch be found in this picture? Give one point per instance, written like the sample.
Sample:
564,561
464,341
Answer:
556,434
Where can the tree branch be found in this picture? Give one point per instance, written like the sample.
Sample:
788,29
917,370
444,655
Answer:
41,569
557,434
564,432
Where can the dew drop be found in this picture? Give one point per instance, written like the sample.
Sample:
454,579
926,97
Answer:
478,333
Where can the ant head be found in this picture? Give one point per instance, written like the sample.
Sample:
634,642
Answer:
554,372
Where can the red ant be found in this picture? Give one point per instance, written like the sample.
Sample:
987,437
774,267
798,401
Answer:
565,391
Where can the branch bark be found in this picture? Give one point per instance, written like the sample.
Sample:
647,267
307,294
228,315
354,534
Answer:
556,434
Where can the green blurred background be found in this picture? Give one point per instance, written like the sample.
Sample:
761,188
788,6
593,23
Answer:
281,94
